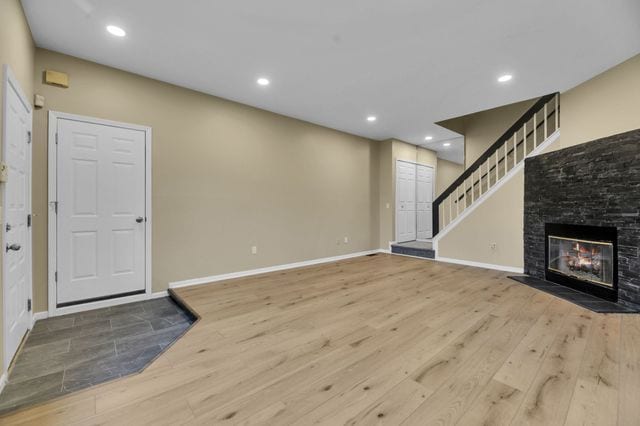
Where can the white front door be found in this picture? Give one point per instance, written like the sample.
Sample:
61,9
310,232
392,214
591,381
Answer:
101,211
424,191
405,201
17,210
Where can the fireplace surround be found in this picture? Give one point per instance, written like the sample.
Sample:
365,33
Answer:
595,184
583,257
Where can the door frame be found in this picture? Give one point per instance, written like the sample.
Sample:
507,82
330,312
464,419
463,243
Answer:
52,200
395,186
9,79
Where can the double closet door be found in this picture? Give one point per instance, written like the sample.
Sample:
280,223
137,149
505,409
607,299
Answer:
414,198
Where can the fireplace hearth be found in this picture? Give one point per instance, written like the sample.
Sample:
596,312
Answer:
582,257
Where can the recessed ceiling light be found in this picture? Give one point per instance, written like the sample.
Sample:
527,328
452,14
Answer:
263,81
372,118
446,144
116,31
505,78
428,138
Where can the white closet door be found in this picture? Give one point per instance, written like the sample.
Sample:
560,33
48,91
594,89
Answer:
424,212
405,201
101,211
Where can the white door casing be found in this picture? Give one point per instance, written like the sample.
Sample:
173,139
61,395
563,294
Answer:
17,247
405,201
424,195
101,192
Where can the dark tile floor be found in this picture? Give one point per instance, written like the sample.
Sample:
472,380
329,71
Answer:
574,296
72,352
415,248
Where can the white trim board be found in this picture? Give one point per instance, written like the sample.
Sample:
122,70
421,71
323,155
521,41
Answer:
539,149
53,310
3,380
258,271
481,265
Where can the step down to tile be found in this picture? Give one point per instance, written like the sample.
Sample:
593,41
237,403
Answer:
414,248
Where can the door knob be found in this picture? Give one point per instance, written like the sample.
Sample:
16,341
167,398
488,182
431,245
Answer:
139,219
14,247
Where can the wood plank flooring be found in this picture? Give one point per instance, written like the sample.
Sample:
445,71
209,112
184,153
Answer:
376,340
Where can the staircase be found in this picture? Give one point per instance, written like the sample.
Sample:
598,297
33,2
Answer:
530,135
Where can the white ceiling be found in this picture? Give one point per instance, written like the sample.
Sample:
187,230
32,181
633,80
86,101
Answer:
333,62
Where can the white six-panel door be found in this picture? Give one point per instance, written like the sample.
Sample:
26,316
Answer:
424,195
17,226
100,212
405,201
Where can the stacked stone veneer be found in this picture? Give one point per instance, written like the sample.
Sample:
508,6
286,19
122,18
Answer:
596,183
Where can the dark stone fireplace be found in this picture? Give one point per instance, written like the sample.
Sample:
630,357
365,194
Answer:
587,197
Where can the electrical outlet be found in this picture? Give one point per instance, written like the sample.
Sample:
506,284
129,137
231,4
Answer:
388,205
254,249
346,240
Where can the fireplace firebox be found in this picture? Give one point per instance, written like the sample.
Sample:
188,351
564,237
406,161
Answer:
583,257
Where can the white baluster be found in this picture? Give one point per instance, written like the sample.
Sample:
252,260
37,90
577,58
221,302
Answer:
506,149
464,193
515,148
545,121
556,112
524,140
535,131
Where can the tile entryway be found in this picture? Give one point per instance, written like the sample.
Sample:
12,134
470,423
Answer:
72,352
415,248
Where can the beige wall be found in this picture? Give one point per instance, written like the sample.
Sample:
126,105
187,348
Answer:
386,205
225,176
16,50
499,221
603,106
483,128
447,172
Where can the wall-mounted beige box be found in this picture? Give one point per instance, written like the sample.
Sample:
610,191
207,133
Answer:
56,78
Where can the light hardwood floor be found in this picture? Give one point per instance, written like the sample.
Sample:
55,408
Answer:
377,340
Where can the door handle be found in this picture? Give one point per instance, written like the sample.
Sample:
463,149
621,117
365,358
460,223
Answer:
139,219
14,247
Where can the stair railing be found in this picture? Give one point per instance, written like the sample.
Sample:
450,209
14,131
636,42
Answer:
524,136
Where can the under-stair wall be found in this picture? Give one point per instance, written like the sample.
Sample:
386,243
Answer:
479,218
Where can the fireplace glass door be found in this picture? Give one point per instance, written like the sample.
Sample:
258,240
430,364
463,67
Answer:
590,261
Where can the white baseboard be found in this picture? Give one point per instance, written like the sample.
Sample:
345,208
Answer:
39,316
481,265
250,272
